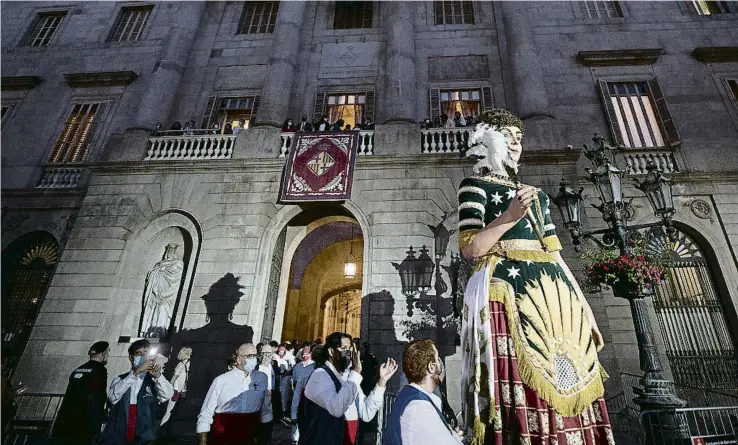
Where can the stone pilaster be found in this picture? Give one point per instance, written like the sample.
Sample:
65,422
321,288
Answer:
530,93
400,96
163,82
275,94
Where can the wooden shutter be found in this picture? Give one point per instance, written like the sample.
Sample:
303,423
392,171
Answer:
487,102
319,108
612,118
369,105
95,130
435,104
207,116
667,122
254,110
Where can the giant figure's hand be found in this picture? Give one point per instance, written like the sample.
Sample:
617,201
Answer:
520,204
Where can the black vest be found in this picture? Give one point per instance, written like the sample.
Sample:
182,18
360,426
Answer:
117,426
317,425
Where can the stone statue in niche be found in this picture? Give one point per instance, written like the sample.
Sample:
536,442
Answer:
160,294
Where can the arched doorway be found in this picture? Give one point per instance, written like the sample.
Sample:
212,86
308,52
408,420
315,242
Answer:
317,281
28,265
699,345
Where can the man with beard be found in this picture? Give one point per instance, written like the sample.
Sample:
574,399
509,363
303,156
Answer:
416,417
81,413
334,402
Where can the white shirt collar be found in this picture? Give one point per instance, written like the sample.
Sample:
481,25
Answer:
433,397
307,362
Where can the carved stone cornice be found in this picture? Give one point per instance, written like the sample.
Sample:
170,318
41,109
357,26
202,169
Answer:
619,57
19,83
103,79
715,54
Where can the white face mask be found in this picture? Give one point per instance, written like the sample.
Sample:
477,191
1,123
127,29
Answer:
138,360
250,364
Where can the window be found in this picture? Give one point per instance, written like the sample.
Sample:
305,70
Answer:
45,27
258,18
638,114
78,132
602,9
453,13
467,101
229,110
349,107
131,23
350,15
691,316
702,7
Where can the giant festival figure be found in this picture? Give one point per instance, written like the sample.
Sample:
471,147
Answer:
162,287
530,370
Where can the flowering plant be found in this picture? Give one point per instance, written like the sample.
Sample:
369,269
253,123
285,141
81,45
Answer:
608,268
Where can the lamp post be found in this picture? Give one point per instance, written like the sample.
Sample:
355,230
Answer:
657,393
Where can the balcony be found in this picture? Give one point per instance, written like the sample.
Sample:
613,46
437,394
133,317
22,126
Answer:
636,160
61,177
366,143
190,147
444,140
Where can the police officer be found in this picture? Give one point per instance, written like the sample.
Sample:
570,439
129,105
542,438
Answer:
82,410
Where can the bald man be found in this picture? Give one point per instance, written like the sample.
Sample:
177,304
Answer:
237,402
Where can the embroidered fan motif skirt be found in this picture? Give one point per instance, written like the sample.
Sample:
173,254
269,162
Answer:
523,418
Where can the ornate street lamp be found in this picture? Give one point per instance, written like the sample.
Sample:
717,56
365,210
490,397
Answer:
657,393
408,275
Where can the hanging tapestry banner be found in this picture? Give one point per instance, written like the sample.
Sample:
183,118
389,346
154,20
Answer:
320,167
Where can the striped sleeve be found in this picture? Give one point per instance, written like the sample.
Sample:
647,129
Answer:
549,229
472,201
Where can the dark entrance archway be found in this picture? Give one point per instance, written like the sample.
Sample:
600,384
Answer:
28,264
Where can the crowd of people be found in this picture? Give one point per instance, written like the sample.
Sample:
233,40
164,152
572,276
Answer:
326,393
449,121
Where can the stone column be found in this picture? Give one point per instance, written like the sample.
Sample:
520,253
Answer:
276,92
163,82
400,94
530,93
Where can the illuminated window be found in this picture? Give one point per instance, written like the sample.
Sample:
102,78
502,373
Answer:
131,23
602,9
349,107
349,15
45,27
466,102
702,7
453,13
78,133
259,18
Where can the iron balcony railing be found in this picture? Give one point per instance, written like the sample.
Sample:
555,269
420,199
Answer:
33,421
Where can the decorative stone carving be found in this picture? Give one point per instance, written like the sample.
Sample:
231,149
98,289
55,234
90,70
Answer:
620,57
160,295
105,79
12,221
701,209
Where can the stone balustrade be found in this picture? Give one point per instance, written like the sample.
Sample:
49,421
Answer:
190,147
366,143
61,177
444,140
636,161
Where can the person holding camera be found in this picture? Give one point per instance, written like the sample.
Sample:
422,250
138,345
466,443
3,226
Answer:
133,397
334,402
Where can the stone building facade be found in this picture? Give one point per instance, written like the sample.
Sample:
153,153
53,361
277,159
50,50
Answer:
84,83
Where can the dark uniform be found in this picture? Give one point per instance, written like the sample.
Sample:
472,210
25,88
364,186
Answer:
82,411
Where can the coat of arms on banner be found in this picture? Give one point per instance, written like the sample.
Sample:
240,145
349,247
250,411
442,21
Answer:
320,167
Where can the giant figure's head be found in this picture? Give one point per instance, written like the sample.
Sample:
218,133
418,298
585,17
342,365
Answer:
496,142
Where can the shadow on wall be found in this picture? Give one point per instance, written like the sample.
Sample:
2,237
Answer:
212,345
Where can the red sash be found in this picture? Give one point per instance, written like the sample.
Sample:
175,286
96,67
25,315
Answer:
131,428
234,428
349,433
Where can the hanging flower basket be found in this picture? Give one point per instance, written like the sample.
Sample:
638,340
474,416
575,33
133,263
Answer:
635,273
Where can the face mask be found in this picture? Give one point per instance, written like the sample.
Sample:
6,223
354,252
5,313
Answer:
344,361
250,364
138,360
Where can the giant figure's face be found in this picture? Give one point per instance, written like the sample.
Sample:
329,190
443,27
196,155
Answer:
495,148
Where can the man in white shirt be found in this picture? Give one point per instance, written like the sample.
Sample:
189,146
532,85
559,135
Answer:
300,374
417,417
237,402
239,126
334,401
134,396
